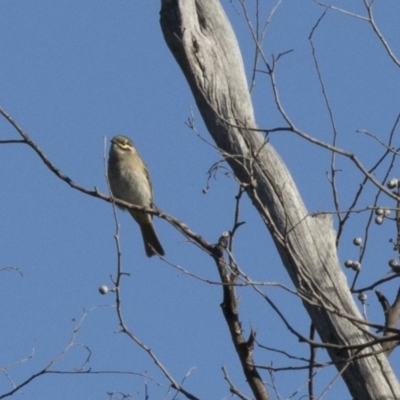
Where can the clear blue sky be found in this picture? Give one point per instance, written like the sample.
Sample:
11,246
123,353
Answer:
74,72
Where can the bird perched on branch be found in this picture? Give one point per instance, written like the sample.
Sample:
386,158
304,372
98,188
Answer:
130,181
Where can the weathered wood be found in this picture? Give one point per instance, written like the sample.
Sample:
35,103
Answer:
203,43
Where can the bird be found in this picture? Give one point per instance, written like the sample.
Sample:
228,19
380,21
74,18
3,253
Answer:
130,181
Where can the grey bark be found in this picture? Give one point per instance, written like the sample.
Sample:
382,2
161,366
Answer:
203,43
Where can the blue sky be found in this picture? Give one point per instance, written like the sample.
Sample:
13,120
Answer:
74,72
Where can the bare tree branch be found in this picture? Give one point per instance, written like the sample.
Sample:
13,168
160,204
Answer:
202,41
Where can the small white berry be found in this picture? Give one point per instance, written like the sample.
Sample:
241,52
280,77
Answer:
386,212
362,297
379,220
348,263
393,263
357,241
392,183
395,266
356,266
379,211
103,289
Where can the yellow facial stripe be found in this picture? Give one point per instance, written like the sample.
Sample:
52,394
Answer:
124,145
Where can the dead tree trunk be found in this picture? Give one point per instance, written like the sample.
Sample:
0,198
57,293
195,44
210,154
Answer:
203,43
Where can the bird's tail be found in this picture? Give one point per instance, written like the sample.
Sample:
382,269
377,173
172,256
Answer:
151,243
